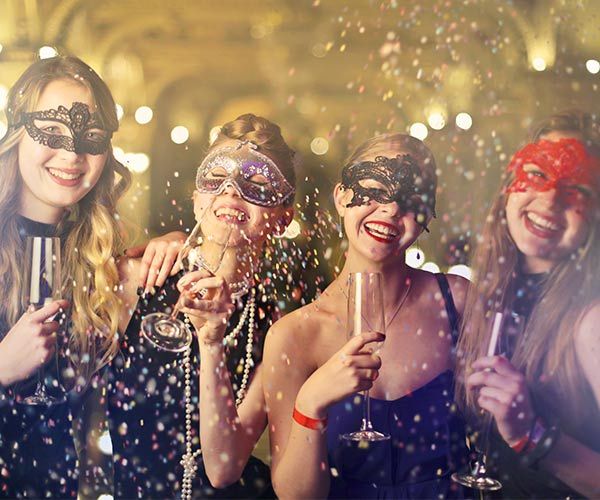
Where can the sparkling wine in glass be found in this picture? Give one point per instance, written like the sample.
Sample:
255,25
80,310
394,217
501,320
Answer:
477,477
365,313
167,331
42,285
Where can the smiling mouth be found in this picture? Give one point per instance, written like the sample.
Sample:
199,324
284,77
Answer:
231,215
66,176
385,233
542,223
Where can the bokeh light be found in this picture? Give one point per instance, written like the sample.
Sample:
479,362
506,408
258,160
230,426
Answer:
143,115
419,130
180,134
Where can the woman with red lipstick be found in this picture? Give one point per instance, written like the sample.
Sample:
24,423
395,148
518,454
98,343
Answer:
311,374
58,177
537,263
244,194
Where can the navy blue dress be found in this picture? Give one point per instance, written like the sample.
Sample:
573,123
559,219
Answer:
427,440
37,452
147,410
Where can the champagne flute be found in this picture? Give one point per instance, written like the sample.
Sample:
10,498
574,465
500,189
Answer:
42,285
365,313
477,478
167,331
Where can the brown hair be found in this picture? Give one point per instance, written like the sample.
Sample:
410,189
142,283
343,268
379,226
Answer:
94,240
545,351
266,135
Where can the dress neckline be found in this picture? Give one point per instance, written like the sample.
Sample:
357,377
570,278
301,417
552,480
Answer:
32,227
414,391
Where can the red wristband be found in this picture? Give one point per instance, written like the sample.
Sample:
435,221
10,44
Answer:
308,422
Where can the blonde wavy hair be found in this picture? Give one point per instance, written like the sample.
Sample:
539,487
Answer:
94,238
545,351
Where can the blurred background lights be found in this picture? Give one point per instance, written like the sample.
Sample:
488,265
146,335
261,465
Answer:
319,145
538,63
214,133
436,120
419,130
461,270
46,52
137,162
431,267
3,96
143,115
120,111
105,443
3,128
106,496
464,121
119,154
180,134
414,257
593,66
1,47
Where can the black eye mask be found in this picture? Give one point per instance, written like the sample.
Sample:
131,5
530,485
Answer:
402,183
87,133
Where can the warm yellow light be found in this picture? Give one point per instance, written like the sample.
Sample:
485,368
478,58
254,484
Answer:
538,63
180,134
143,115
292,231
593,66
464,121
419,130
120,111
319,145
119,154
436,120
46,52
1,47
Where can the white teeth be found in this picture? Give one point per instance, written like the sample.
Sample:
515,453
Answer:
542,222
64,175
231,212
381,230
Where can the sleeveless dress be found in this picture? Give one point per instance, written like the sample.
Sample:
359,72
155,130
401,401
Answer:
37,452
147,409
427,439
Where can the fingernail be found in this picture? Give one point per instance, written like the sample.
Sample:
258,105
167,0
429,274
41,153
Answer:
140,291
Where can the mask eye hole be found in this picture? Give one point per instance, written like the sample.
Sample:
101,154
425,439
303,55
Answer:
217,173
259,179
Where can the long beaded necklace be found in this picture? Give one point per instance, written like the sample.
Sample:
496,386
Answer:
188,461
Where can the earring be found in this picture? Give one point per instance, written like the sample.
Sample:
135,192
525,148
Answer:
418,256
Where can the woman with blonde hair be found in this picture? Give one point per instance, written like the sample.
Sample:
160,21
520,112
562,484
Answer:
243,197
537,263
311,373
58,177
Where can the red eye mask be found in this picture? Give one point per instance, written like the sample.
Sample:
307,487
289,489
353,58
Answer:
564,165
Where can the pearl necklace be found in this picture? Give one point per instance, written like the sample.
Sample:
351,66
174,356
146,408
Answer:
188,461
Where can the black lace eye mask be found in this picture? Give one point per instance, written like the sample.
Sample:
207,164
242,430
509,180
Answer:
398,180
87,133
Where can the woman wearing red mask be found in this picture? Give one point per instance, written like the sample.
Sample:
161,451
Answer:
537,263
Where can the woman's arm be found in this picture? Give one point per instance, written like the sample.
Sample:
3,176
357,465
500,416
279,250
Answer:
227,435
504,393
299,454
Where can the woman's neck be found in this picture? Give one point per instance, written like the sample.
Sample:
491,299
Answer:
395,272
35,210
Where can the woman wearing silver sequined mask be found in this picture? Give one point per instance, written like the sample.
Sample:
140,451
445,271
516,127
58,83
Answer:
311,374
244,194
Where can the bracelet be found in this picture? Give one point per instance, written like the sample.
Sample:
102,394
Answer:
541,442
308,422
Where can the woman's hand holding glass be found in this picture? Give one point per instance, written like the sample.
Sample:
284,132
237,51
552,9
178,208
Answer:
206,300
352,369
30,343
503,392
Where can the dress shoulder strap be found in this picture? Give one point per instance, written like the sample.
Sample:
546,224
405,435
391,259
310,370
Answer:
453,316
